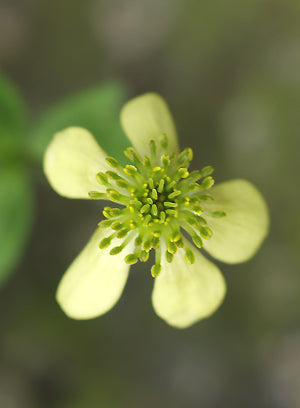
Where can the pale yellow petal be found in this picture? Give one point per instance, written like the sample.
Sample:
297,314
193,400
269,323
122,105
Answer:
183,293
237,236
146,118
71,163
95,280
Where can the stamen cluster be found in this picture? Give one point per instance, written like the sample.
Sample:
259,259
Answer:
160,198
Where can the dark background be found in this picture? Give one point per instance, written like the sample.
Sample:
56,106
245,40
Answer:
230,72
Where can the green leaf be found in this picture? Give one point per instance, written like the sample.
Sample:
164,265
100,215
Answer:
16,210
13,114
96,110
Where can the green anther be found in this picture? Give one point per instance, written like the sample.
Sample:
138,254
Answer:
169,204
194,199
164,141
176,236
185,156
155,270
180,243
151,184
102,179
165,161
154,210
189,256
130,170
193,187
162,216
147,162
152,147
144,256
207,183
172,247
170,185
175,193
206,197
105,223
133,224
116,250
157,169
161,185
206,232
113,211
154,194
148,244
155,242
182,173
138,241
201,220
191,220
113,194
113,175
194,176
207,171
117,226
122,233
198,209
131,259
107,214
95,195
136,203
105,242
123,184
197,241
218,214
112,162
145,208
171,212
148,200
147,220
169,256
157,234
132,155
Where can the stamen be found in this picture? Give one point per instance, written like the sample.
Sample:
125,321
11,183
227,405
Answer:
207,171
160,196
169,256
131,259
95,195
189,256
207,183
218,214
161,186
164,141
102,179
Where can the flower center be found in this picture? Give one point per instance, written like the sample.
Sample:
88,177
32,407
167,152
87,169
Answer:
160,198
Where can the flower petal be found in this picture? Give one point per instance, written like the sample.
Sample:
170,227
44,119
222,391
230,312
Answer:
94,281
237,236
183,293
148,117
72,161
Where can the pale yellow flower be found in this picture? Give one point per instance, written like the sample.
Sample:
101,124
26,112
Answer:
160,199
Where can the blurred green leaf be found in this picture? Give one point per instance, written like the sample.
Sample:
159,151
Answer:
16,210
96,110
13,114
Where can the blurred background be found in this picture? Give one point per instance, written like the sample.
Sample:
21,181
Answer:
230,72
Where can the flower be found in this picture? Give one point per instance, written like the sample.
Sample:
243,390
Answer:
158,199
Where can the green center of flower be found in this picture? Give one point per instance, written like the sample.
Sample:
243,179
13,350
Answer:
160,198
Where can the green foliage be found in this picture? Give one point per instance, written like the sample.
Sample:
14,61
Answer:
15,194
96,110
16,205
12,119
